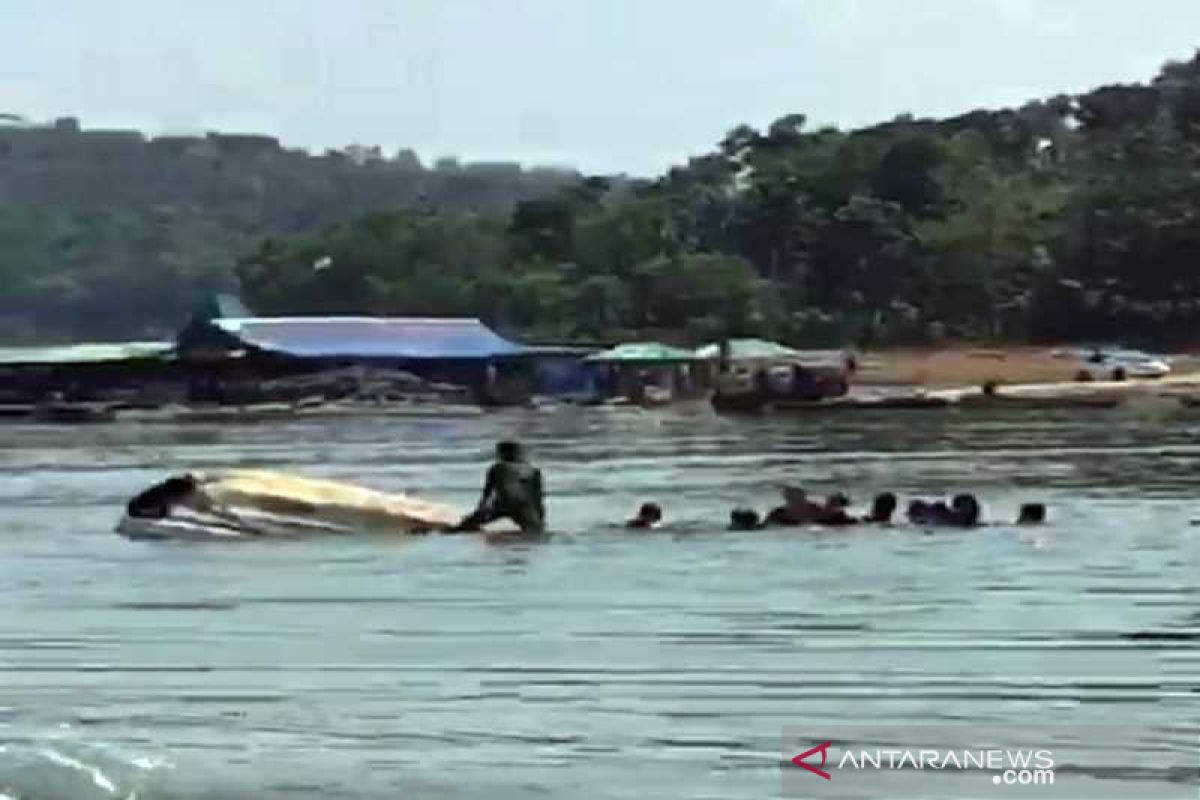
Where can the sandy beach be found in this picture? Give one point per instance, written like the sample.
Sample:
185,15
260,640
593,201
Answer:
973,366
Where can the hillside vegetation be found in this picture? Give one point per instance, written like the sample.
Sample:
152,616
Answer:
1071,217
108,234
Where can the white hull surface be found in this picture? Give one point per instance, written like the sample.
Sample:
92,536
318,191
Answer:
176,528
257,503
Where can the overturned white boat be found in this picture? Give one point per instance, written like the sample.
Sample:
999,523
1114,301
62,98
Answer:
256,503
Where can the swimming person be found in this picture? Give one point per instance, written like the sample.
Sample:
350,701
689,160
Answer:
513,490
834,511
963,512
797,509
158,501
1032,514
744,519
882,509
648,516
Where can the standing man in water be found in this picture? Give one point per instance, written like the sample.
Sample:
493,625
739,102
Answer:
513,490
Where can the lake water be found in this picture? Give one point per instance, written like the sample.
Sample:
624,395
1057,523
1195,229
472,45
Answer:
598,664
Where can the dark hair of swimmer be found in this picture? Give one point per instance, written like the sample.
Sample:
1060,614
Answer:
743,519
837,500
794,496
156,502
177,487
1032,514
917,509
883,507
966,509
508,451
649,515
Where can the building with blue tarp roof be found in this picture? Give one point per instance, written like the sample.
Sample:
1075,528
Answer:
223,326
366,338
457,350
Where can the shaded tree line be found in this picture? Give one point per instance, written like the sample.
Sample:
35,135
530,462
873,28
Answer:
1073,217
105,241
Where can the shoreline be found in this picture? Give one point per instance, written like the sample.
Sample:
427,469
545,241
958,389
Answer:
1019,377
963,365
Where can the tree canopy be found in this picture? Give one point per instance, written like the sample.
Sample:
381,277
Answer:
1072,217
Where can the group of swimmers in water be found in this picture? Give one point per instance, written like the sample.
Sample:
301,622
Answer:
963,511
513,490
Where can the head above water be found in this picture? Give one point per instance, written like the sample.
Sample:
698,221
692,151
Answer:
650,512
883,507
180,485
509,451
966,507
837,500
743,519
794,496
1032,514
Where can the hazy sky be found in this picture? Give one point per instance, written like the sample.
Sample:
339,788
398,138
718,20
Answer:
608,85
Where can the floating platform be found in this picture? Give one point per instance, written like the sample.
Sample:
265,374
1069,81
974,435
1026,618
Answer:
59,413
1000,401
883,402
1183,392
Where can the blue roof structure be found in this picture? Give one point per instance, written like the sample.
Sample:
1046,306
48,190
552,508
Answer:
370,337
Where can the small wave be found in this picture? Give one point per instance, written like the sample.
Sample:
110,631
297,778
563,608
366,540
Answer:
54,768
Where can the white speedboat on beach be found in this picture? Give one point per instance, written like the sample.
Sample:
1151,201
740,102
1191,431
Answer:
242,504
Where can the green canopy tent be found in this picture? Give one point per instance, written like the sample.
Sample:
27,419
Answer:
643,353
648,371
749,350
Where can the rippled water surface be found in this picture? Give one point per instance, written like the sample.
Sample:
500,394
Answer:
597,664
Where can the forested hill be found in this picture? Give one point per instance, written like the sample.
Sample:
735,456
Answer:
109,233
1072,217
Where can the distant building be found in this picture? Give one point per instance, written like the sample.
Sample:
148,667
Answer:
460,351
397,340
87,372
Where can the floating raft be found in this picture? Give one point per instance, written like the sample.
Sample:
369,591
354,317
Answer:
982,400
59,413
900,402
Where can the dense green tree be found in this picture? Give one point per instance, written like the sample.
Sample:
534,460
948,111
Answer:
1069,217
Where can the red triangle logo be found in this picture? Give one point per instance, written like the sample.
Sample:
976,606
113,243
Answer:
823,749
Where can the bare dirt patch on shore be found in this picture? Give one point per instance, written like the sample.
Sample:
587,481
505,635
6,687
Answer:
946,367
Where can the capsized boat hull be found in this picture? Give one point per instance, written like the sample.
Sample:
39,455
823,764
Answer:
245,503
142,529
